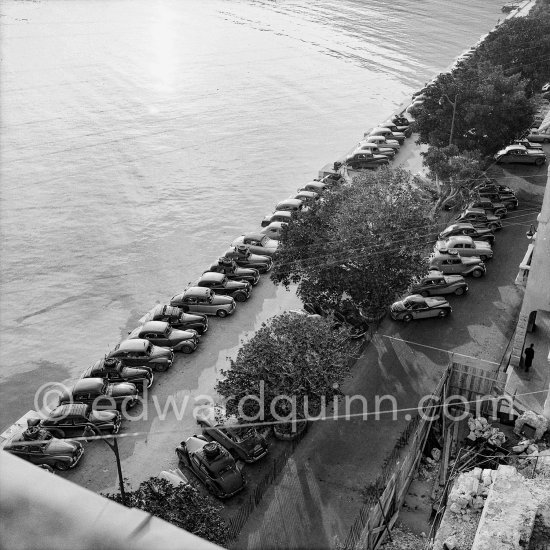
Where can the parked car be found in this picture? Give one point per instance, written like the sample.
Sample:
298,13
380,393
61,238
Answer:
177,318
38,446
477,216
396,130
306,196
400,120
274,230
232,271
527,144
241,441
361,160
465,246
381,141
388,134
332,178
495,208
257,244
161,334
438,284
221,284
509,200
539,135
419,307
373,149
244,258
519,154
290,205
141,353
67,420
314,187
451,263
100,394
212,464
277,216
477,233
113,370
203,300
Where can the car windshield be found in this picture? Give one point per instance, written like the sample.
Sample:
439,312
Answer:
265,241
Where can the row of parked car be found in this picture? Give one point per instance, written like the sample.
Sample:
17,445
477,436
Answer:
462,249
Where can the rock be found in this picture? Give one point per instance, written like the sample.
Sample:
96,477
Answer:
450,543
520,447
532,449
486,477
436,454
455,508
477,472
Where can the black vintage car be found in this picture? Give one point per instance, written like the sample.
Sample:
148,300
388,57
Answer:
39,447
72,420
241,441
477,216
220,284
101,395
232,271
163,335
113,370
177,318
212,464
477,233
140,352
244,258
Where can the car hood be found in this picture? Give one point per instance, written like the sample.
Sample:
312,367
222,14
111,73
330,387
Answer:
454,279
436,301
62,447
160,353
245,272
192,318
482,244
471,260
235,285
258,258
121,389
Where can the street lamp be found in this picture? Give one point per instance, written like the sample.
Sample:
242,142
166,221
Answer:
453,103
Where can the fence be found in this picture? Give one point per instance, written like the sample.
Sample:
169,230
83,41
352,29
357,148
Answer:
384,498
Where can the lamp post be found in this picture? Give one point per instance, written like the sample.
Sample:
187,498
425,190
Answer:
453,103
114,447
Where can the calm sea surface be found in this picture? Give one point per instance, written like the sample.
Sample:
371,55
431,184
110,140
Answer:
138,138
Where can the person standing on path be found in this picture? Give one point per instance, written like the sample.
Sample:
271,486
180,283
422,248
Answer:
529,354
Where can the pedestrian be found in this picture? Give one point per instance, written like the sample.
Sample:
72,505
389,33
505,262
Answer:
88,432
529,354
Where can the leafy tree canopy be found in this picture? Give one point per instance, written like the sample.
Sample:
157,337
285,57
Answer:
491,109
365,241
455,173
183,506
292,354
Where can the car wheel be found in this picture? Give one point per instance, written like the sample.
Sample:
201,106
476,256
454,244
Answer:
187,349
459,291
240,297
443,313
424,293
539,162
477,273
221,313
407,318
161,367
63,466
492,227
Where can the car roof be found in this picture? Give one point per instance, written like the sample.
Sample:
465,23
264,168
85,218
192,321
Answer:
69,410
154,326
137,344
292,202
460,239
278,225
306,193
282,213
434,275
474,211
255,236
197,291
212,277
89,385
515,147
461,225
415,298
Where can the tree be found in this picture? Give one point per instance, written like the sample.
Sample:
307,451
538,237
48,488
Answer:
490,109
455,174
521,45
299,356
181,505
365,241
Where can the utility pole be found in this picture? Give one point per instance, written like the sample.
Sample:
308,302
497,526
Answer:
453,103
